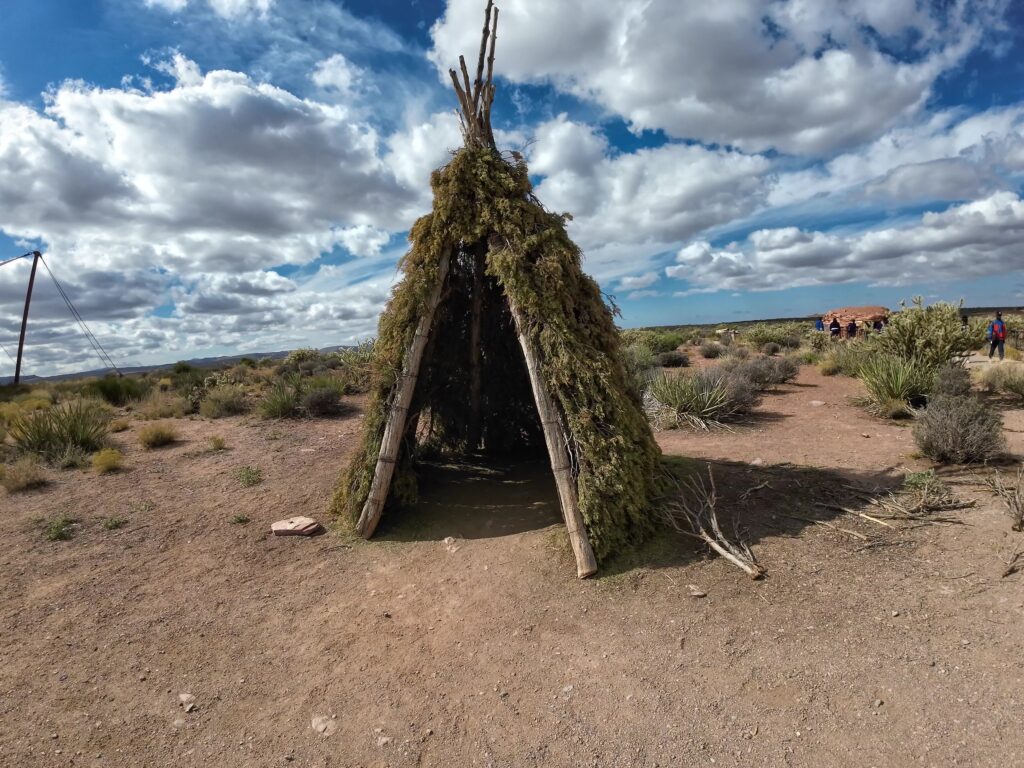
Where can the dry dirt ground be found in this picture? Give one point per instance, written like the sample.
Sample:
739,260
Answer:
902,648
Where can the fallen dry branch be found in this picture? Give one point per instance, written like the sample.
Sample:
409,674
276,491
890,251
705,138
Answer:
922,504
854,512
856,535
1012,496
1013,564
692,511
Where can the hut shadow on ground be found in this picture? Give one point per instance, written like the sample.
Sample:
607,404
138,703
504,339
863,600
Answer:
473,498
766,502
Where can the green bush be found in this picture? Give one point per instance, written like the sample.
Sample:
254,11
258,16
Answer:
656,341
75,427
701,399
249,476
959,430
164,405
672,360
710,350
118,390
771,348
931,336
323,401
223,400
59,528
895,386
764,372
776,333
846,358
281,400
640,363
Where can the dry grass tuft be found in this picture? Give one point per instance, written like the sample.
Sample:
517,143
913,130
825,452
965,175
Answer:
157,435
108,460
24,474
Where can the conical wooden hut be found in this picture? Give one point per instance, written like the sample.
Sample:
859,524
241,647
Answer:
495,340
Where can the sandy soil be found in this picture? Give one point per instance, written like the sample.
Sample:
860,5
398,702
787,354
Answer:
901,648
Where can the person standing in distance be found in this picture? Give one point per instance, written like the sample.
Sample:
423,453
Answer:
997,337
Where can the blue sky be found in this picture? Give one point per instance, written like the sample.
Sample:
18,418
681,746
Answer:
220,176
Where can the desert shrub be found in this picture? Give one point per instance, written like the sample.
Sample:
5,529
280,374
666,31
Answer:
672,360
22,475
62,431
778,333
792,342
118,390
809,357
639,362
725,339
107,460
114,523
656,341
249,476
771,348
223,400
165,384
281,400
895,386
303,355
822,342
710,350
59,528
846,358
119,425
339,383
952,379
164,405
217,443
931,336
239,519
959,430
157,435
764,372
323,401
701,399
828,366
738,352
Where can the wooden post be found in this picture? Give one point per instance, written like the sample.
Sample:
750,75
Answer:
24,318
475,353
394,430
558,452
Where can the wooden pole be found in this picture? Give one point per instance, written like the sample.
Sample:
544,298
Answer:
24,318
475,352
558,452
394,430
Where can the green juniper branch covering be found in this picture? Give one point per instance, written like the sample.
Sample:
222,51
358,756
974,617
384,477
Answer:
481,197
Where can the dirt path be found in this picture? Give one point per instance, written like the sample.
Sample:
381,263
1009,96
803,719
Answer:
902,650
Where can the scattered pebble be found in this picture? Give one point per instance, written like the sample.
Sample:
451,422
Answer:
878,703
895,614
696,591
817,403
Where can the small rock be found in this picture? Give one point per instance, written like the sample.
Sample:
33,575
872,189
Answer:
190,706
757,462
878,703
449,542
185,698
817,403
386,614
895,614
383,741
567,689
864,434
682,643
324,725
696,591
179,722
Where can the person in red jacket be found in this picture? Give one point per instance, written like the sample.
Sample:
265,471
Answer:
997,336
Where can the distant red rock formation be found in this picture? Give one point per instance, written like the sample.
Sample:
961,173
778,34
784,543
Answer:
860,314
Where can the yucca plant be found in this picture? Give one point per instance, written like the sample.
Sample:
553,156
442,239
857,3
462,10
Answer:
79,426
895,386
701,400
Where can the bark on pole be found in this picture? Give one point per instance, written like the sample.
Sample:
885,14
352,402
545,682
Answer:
558,452
475,351
398,413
